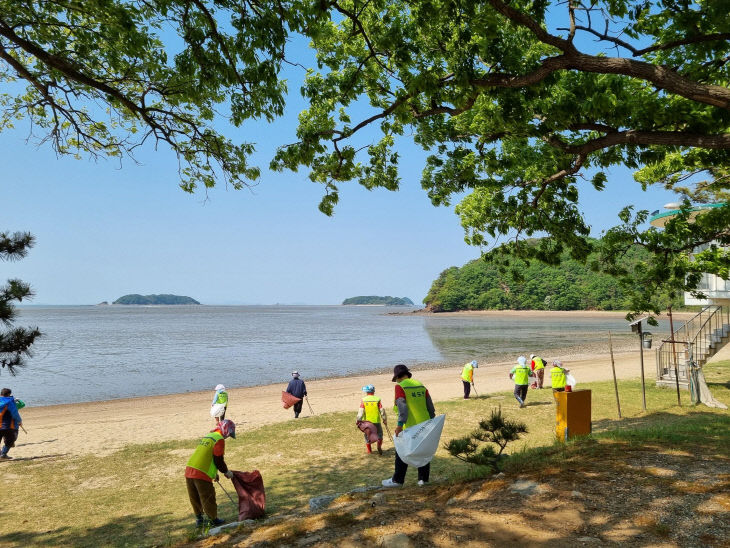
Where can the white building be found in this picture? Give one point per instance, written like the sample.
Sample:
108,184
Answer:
715,288
705,333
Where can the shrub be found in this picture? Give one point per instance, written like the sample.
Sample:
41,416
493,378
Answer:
494,431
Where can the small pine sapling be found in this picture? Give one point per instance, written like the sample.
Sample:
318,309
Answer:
495,431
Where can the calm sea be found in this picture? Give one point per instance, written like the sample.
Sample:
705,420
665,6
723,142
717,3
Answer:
103,352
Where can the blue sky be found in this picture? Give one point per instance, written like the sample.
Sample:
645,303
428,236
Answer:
104,231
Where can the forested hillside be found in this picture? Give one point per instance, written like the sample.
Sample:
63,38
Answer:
479,285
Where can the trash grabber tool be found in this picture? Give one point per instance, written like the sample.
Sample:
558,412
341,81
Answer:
226,492
309,405
388,429
475,389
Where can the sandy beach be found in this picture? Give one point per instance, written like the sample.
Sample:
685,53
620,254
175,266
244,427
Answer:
110,425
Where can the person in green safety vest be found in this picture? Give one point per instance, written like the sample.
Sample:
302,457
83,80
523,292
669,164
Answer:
538,366
414,405
521,374
371,410
558,376
220,403
467,377
203,467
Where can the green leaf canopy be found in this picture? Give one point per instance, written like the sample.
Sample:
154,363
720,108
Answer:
521,105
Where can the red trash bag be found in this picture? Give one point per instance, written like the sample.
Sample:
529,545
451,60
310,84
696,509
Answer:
287,400
369,429
251,494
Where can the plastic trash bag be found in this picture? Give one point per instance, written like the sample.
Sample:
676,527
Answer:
417,445
251,494
570,380
217,410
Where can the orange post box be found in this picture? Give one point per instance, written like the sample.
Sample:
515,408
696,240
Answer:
572,414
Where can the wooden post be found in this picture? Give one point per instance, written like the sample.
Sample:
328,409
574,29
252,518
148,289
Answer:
674,354
643,383
613,368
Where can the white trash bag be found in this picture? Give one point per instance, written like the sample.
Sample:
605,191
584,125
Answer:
417,445
217,410
570,380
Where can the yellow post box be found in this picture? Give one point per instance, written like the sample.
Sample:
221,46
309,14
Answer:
572,414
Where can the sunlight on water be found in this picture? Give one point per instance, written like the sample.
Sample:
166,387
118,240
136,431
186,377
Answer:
103,352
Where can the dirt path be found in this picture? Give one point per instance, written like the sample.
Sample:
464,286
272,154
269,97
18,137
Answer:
110,425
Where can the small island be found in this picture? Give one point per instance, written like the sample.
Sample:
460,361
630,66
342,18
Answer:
375,300
155,299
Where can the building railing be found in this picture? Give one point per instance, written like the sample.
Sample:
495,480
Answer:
694,341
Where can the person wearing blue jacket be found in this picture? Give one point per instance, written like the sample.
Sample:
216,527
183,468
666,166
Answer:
10,421
298,389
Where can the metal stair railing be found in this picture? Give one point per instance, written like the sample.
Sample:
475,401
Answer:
694,341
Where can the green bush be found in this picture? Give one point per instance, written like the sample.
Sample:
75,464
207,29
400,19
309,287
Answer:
494,431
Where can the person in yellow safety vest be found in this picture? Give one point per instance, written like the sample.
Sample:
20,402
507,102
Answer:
538,366
372,411
414,405
203,467
220,399
467,377
558,376
521,374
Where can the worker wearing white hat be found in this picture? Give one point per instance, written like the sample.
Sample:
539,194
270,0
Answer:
220,403
298,389
521,374
467,377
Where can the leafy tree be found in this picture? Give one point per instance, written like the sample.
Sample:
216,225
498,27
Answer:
15,342
496,430
518,110
521,104
570,285
103,77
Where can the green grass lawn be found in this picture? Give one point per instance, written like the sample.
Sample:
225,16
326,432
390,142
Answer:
137,496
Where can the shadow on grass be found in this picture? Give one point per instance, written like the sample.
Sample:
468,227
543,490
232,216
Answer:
123,531
699,426
635,479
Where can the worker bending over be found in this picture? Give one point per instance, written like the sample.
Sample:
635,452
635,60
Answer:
203,467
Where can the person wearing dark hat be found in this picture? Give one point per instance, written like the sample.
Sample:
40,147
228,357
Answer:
413,405
298,389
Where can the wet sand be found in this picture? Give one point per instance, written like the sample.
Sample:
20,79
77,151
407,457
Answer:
106,426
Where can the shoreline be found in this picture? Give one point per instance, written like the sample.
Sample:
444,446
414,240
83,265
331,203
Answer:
111,425
578,352
682,315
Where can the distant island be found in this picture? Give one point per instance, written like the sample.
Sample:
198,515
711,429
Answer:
155,299
374,299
